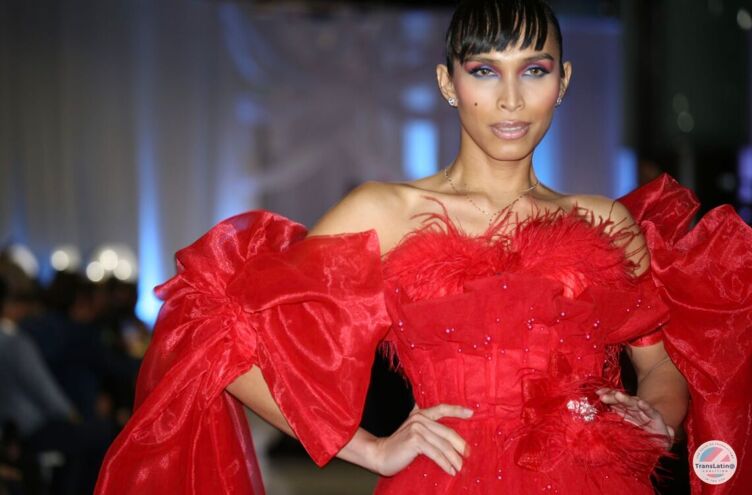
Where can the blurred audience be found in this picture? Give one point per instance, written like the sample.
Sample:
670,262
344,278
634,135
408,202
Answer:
69,356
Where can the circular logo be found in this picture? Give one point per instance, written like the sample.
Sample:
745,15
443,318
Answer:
714,462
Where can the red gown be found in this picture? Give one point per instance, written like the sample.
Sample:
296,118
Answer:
521,324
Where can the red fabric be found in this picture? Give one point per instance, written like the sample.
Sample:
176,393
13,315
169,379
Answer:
516,323
475,326
649,339
250,291
705,277
522,324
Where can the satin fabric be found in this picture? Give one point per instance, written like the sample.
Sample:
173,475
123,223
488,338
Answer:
311,311
704,275
251,291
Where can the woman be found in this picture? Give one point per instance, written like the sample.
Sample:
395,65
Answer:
505,302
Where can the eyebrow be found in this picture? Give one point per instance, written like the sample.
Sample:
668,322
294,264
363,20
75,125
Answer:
534,58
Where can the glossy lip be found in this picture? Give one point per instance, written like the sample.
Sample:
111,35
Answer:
510,129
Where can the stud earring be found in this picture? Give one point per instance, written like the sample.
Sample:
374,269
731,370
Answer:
452,102
558,101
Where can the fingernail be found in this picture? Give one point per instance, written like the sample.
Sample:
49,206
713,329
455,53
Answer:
600,391
468,412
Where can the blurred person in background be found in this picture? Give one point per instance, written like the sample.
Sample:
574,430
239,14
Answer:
125,338
35,412
66,357
505,303
74,334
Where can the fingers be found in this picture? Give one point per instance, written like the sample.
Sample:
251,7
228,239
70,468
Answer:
631,408
430,446
433,414
611,396
671,432
446,411
440,443
443,446
646,408
455,440
619,400
637,411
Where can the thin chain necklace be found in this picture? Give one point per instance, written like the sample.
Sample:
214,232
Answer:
491,217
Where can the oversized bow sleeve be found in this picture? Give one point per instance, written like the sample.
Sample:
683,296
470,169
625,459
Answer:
705,278
309,312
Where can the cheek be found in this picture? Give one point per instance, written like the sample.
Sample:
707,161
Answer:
473,93
544,96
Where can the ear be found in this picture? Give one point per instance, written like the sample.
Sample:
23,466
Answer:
565,78
444,81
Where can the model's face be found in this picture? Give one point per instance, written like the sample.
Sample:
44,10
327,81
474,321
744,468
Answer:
506,100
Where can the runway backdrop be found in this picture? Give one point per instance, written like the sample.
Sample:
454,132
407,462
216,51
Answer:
145,122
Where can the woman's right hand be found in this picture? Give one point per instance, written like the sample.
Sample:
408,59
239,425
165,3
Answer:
421,433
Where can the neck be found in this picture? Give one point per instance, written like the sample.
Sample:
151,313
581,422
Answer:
484,175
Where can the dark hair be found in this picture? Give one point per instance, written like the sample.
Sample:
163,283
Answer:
480,26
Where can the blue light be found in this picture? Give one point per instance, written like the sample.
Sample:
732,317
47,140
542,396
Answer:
419,99
420,150
544,159
625,175
151,271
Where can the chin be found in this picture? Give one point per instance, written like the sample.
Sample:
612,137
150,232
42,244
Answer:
510,151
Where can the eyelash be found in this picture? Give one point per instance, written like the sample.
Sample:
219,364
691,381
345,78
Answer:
477,71
542,71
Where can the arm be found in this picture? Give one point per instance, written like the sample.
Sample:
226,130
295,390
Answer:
350,215
660,383
421,433
662,393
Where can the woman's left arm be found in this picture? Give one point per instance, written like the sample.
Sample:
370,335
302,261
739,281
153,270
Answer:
662,395
659,382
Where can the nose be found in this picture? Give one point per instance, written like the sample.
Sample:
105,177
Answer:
510,97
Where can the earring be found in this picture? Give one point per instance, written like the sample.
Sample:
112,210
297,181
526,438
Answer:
452,101
558,101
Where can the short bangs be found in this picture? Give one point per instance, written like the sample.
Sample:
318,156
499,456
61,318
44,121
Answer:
480,26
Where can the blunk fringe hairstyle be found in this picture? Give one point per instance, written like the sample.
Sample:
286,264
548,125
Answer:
480,26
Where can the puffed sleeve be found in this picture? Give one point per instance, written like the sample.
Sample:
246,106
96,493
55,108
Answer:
252,291
704,276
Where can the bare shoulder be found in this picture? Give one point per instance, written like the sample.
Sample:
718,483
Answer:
387,207
621,220
605,208
363,208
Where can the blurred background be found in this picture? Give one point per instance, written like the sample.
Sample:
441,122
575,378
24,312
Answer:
129,127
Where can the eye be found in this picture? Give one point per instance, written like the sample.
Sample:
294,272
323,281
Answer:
482,71
536,71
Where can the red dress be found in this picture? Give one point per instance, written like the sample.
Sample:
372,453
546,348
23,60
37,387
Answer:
521,324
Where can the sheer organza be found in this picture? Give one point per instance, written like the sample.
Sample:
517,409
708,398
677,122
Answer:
484,324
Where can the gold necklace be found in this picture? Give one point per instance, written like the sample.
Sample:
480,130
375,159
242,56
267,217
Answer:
493,217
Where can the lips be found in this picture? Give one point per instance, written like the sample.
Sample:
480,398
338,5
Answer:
510,130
